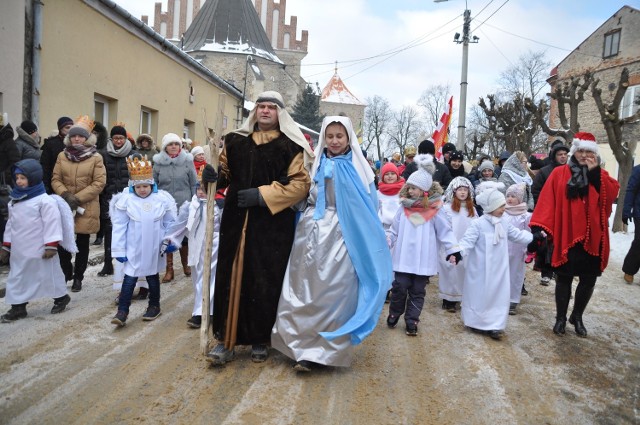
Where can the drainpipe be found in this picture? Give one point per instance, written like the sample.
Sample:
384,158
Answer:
36,60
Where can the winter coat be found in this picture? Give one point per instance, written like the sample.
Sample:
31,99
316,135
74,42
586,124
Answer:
441,175
27,146
151,152
175,175
511,167
9,154
631,199
84,179
542,176
51,147
117,179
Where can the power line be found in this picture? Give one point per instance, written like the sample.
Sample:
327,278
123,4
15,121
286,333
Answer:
482,10
494,12
496,47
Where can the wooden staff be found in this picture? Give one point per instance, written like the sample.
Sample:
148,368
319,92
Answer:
206,333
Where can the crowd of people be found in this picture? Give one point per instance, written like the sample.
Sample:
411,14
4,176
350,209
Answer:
308,245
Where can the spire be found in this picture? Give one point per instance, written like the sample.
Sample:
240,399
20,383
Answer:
337,92
231,26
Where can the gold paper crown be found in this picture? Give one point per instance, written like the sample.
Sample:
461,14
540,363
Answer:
85,122
140,169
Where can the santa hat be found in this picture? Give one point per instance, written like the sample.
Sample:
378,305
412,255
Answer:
423,177
490,200
170,138
517,190
584,141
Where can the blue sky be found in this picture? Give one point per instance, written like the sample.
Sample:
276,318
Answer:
347,30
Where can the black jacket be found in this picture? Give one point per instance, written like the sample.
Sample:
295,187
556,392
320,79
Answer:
9,154
117,179
51,148
441,175
540,179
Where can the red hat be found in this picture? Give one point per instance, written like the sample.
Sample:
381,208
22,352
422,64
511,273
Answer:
584,140
389,167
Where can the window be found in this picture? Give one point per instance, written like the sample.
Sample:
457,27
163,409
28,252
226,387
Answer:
611,44
104,109
629,105
189,129
148,120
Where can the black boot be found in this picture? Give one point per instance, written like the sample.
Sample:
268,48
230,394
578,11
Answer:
583,295
17,311
563,293
107,268
77,285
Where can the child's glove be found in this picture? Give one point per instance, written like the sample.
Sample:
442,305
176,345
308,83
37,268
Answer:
538,236
122,259
49,252
456,256
250,198
5,252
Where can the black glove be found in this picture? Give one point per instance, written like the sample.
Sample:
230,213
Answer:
533,246
625,219
209,174
71,199
220,203
283,180
250,198
455,255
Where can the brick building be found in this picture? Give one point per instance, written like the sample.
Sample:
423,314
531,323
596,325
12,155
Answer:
610,48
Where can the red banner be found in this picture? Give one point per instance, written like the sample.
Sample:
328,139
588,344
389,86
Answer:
441,135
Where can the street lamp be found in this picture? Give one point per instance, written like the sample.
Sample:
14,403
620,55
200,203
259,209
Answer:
462,114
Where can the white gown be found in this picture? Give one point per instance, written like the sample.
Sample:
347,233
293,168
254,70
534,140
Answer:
191,222
387,207
486,291
139,227
517,254
32,224
451,277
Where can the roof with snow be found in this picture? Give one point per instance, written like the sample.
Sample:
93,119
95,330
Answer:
337,92
230,26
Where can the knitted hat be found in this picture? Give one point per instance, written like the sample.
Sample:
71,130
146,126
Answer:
64,121
456,155
197,150
584,140
457,183
170,138
83,127
448,147
29,127
486,165
427,146
389,167
517,190
423,177
490,200
118,130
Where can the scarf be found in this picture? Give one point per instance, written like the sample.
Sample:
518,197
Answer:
391,188
578,184
417,213
199,164
79,153
365,241
517,178
498,230
19,194
119,153
519,209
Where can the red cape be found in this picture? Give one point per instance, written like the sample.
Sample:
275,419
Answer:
573,221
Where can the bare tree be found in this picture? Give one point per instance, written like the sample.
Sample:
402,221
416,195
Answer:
623,148
434,102
377,118
528,77
405,127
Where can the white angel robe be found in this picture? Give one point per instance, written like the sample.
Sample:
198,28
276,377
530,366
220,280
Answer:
517,254
192,222
139,227
387,208
450,276
416,247
32,224
486,291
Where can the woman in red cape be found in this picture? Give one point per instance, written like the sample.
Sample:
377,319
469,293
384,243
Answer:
573,209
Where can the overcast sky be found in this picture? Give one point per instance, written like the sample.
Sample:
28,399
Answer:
352,30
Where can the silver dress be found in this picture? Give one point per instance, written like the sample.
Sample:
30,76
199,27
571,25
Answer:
320,289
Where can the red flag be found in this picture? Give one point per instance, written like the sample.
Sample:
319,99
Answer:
441,135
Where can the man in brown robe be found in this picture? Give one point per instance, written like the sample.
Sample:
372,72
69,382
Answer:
264,166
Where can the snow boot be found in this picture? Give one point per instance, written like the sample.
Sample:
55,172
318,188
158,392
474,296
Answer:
184,258
107,268
16,312
220,355
563,294
168,275
59,304
77,285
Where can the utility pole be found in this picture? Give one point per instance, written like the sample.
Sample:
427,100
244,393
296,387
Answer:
462,113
